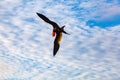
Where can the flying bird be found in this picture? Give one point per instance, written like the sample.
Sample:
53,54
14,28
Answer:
57,31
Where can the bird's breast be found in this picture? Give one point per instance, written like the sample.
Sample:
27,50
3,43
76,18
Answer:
60,38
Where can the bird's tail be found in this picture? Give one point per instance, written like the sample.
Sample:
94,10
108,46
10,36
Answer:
64,31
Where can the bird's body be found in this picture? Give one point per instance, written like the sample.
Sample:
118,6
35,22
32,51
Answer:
56,31
59,37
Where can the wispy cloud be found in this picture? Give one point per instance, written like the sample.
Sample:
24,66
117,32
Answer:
99,9
26,44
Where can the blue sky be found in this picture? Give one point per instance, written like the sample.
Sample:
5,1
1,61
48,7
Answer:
91,52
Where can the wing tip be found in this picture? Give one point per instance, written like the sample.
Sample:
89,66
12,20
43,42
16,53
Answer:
37,13
54,54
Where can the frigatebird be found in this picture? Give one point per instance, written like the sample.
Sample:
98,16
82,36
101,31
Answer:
56,31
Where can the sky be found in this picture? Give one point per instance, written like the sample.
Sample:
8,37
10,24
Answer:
90,52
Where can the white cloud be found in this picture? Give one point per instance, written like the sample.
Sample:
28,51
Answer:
88,53
7,68
99,10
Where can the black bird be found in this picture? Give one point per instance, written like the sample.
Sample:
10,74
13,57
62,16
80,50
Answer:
56,31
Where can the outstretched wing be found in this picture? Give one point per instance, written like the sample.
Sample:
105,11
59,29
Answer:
57,43
47,20
56,48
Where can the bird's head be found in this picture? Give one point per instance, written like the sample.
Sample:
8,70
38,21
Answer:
54,32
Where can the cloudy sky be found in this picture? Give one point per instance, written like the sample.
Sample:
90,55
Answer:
90,52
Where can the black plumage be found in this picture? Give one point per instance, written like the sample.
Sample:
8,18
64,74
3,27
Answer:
57,30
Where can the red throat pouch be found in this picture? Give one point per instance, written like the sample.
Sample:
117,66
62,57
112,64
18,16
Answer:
53,33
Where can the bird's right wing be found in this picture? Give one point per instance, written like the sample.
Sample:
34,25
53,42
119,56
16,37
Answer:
56,48
47,20
57,43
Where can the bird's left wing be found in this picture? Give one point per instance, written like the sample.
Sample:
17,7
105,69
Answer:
47,20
